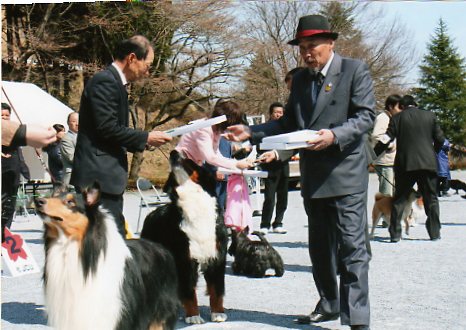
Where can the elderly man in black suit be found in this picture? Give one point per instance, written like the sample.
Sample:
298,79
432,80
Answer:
418,139
104,135
335,97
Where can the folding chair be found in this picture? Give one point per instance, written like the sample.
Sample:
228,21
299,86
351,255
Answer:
149,197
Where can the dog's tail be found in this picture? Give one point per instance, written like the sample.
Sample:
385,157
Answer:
379,196
261,236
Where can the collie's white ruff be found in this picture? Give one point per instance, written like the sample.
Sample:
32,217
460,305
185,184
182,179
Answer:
74,302
200,214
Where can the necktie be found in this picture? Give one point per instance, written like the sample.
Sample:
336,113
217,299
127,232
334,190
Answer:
318,80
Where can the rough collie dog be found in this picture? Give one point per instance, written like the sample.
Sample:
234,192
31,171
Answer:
383,208
191,228
96,280
253,258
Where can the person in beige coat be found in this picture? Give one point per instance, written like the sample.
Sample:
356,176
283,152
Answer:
384,163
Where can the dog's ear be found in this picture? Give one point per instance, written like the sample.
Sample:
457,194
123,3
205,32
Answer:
92,194
59,188
246,230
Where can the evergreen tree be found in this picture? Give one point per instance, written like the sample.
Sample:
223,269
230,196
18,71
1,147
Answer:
443,85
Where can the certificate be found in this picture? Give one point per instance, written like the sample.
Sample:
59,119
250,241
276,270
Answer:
254,173
195,125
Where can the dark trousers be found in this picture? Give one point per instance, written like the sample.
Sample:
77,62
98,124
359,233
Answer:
114,204
277,184
10,184
427,186
338,241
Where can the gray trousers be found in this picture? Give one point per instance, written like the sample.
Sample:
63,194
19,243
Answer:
338,242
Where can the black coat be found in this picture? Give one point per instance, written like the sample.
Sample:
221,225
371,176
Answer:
418,136
104,136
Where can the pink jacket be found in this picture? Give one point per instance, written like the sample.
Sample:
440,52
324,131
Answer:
202,146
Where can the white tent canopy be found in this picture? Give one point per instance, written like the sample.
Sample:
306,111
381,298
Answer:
34,106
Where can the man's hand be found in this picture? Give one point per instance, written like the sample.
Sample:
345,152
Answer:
219,176
39,136
237,133
267,157
323,140
157,138
244,163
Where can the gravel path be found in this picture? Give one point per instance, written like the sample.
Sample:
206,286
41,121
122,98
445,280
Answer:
415,284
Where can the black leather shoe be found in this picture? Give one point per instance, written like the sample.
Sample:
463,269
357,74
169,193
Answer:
435,239
360,327
316,317
395,240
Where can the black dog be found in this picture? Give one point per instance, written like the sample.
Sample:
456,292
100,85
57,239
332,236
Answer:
457,185
253,258
194,232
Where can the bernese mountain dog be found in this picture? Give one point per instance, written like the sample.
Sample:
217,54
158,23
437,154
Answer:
191,227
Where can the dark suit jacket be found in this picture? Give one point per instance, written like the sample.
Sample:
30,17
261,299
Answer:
346,106
417,135
104,135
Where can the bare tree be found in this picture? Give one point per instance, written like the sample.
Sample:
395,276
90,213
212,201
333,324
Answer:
363,34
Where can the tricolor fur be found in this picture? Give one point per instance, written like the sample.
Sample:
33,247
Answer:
93,278
191,228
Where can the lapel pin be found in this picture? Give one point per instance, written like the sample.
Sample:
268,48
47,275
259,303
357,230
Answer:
328,87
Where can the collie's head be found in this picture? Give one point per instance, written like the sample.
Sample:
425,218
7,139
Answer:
71,217
68,213
183,169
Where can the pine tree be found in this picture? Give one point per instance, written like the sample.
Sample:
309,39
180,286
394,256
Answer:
443,85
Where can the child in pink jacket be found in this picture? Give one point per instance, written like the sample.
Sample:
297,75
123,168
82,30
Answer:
202,146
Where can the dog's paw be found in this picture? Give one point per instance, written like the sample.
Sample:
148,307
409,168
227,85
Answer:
195,319
218,317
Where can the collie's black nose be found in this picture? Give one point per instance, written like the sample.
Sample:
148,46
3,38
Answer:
39,202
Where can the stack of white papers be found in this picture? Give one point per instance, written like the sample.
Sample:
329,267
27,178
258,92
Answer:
288,141
195,125
254,173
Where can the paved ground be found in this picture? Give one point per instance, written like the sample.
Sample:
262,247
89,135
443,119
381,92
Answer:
416,284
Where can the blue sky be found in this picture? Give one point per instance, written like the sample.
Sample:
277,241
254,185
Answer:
421,19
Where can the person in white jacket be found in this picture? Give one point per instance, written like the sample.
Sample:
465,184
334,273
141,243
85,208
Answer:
384,163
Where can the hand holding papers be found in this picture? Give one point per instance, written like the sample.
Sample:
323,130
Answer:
195,125
294,140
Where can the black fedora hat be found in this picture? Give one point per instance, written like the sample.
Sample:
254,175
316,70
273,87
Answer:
313,25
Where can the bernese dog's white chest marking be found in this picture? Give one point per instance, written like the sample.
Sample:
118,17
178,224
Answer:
200,214
75,302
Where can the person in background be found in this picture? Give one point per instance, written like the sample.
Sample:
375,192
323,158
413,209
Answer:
13,136
384,163
68,145
335,97
53,151
104,133
418,139
276,183
443,170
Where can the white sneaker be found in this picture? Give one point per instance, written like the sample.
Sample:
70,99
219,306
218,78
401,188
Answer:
264,231
280,230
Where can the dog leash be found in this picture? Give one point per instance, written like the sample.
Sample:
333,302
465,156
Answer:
383,176
39,156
